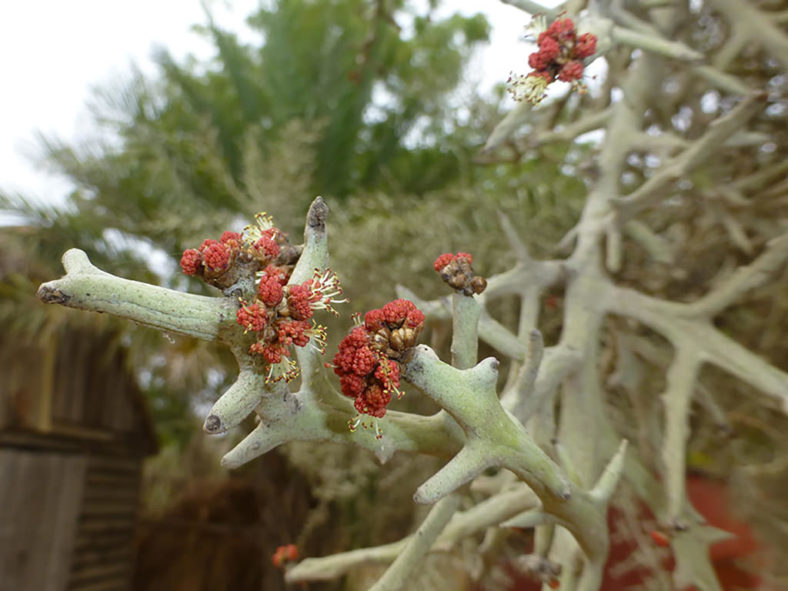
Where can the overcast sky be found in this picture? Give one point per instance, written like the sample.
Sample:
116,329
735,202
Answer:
53,52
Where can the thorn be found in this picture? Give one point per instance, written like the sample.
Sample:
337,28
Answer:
318,212
213,424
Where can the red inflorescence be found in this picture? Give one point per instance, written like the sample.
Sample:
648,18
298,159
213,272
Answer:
387,372
273,353
215,255
549,50
270,290
230,238
221,262
366,372
561,29
289,310
280,274
585,46
293,332
660,539
352,385
299,301
191,261
442,261
252,317
279,315
373,401
373,320
267,246
401,312
448,257
571,71
559,46
284,554
364,362
559,57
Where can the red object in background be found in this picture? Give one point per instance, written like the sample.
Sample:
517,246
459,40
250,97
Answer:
735,560
660,538
284,554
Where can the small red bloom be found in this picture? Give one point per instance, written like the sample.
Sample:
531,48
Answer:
443,260
228,237
559,57
585,46
553,584
280,274
267,246
352,385
660,539
216,255
273,353
367,360
373,320
464,255
345,358
270,290
191,261
571,71
364,361
549,49
561,29
373,401
536,61
397,311
298,301
252,317
293,332
284,554
387,373
414,318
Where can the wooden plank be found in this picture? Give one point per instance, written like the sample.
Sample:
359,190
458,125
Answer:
39,518
114,539
96,572
119,583
46,393
104,528
93,556
100,461
113,495
110,505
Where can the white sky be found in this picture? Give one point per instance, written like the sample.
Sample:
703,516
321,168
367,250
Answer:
53,52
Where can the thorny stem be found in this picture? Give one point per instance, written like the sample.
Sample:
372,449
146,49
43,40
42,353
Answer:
417,547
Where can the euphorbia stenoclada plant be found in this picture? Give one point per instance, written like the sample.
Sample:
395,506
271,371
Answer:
554,397
271,291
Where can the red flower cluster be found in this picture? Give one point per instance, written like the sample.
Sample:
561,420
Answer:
560,57
367,362
280,315
456,270
448,257
223,262
284,554
660,538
